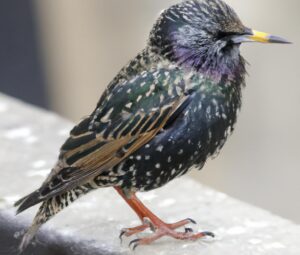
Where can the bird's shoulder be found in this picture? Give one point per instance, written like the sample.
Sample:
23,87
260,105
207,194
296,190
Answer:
144,93
132,110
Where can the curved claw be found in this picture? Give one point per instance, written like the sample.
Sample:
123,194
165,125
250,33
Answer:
188,230
191,221
135,244
131,231
122,233
207,233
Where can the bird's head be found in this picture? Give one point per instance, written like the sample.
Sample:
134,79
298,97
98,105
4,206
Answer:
205,35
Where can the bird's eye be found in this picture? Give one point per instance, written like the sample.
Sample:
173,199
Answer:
223,34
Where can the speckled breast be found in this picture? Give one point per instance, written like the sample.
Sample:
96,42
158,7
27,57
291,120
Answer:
198,133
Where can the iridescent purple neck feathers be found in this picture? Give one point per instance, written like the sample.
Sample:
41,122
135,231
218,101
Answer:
213,60
196,34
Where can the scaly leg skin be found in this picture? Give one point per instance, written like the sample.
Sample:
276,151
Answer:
132,231
160,228
148,224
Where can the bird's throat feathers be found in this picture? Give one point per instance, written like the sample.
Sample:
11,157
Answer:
213,62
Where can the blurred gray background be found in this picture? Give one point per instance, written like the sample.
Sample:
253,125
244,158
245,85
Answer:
71,49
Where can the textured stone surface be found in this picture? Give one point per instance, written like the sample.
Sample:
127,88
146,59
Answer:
30,139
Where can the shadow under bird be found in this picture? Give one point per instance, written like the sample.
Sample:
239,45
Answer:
170,109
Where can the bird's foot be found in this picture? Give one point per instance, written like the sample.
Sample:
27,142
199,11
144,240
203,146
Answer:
132,231
165,230
162,229
127,232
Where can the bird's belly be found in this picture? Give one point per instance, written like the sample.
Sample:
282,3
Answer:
192,139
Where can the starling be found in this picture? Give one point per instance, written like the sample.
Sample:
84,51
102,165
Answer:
170,109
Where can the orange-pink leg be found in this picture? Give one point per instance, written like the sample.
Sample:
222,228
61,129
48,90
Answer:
147,224
160,228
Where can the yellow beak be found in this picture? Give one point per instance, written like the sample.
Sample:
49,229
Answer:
256,36
266,38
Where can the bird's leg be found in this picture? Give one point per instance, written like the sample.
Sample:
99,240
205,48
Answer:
130,202
131,231
159,227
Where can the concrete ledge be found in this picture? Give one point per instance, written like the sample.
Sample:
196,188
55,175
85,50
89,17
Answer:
30,139
48,241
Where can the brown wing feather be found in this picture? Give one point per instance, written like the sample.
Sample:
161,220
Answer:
110,153
128,117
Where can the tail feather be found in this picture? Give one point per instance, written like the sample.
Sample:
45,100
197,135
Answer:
28,201
40,218
48,209
54,186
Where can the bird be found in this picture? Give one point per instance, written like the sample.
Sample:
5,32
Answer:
167,111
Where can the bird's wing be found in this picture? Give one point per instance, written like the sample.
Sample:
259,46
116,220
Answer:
129,117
